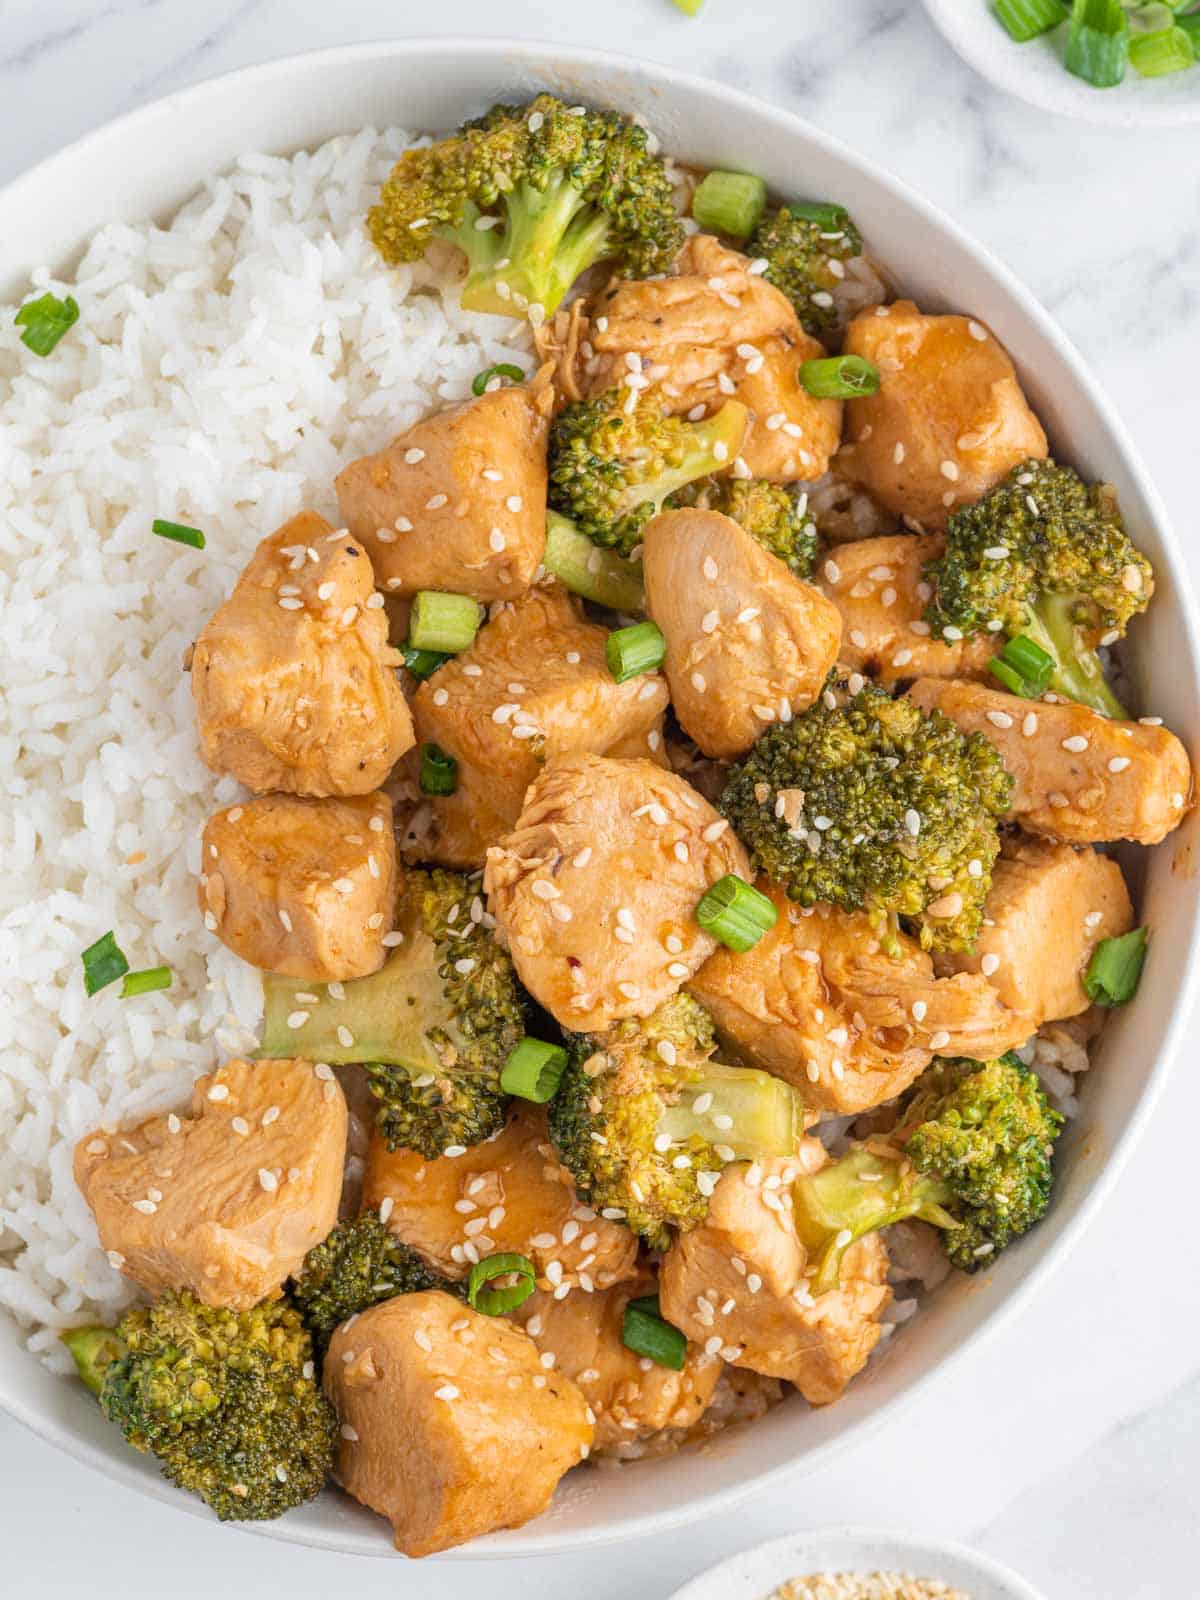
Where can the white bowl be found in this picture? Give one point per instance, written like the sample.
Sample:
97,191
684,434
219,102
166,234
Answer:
146,164
752,1574
1035,72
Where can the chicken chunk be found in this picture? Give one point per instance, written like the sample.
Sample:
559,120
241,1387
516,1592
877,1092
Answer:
715,330
534,685
509,1193
458,501
949,420
450,1425
228,1201
819,1003
293,676
736,1284
1077,775
1049,907
597,887
629,1400
879,588
305,888
748,644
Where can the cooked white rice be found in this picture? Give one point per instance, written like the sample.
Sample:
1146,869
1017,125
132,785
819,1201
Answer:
222,370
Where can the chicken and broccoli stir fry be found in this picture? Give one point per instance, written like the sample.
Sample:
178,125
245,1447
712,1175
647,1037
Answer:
661,900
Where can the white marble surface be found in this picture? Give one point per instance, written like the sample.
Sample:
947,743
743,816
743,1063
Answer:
1069,1445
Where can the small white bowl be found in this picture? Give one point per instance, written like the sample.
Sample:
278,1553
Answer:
1035,72
753,1574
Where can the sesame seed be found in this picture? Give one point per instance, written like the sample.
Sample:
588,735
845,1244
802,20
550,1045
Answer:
414,455
291,605
1076,744
710,569
976,331
267,1180
629,991
919,1009
710,835
988,964
297,1019
949,469
1118,763
898,453
999,719
348,616
348,1433
219,1091
912,821
345,1037
699,682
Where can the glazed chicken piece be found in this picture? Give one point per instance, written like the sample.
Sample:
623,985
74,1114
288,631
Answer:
228,1200
736,1285
629,1399
1049,907
450,1425
305,888
293,676
509,1193
748,644
949,420
458,501
819,1003
1078,776
878,587
597,887
534,685
713,331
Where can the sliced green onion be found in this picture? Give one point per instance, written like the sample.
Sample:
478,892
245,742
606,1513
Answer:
632,651
444,622
145,982
422,663
439,772
1025,19
495,1302
502,369
601,576
103,963
729,202
179,532
840,377
1098,44
1023,667
644,1331
1115,969
45,320
1191,26
534,1070
690,8
1012,681
734,912
1154,55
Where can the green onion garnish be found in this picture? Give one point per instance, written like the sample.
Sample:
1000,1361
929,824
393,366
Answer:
729,202
1115,969
829,217
422,663
840,377
145,982
1156,54
690,8
1023,667
45,320
1191,26
103,963
734,912
644,1331
502,369
443,622
439,772
495,1302
1098,43
601,576
632,651
1025,19
179,532
534,1070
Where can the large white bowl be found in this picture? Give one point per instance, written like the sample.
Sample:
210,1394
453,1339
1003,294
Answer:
146,164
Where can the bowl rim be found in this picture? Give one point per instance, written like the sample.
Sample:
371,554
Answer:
540,57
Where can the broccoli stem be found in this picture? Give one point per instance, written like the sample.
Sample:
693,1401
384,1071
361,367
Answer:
1078,673
856,1195
547,238
93,1350
750,1112
599,575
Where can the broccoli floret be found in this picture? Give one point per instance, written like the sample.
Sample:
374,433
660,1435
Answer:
773,513
564,189
226,1400
432,1031
614,460
798,251
1046,555
361,1263
651,1082
972,1153
885,807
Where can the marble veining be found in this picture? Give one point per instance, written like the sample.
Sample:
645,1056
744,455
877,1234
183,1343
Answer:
1084,1414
